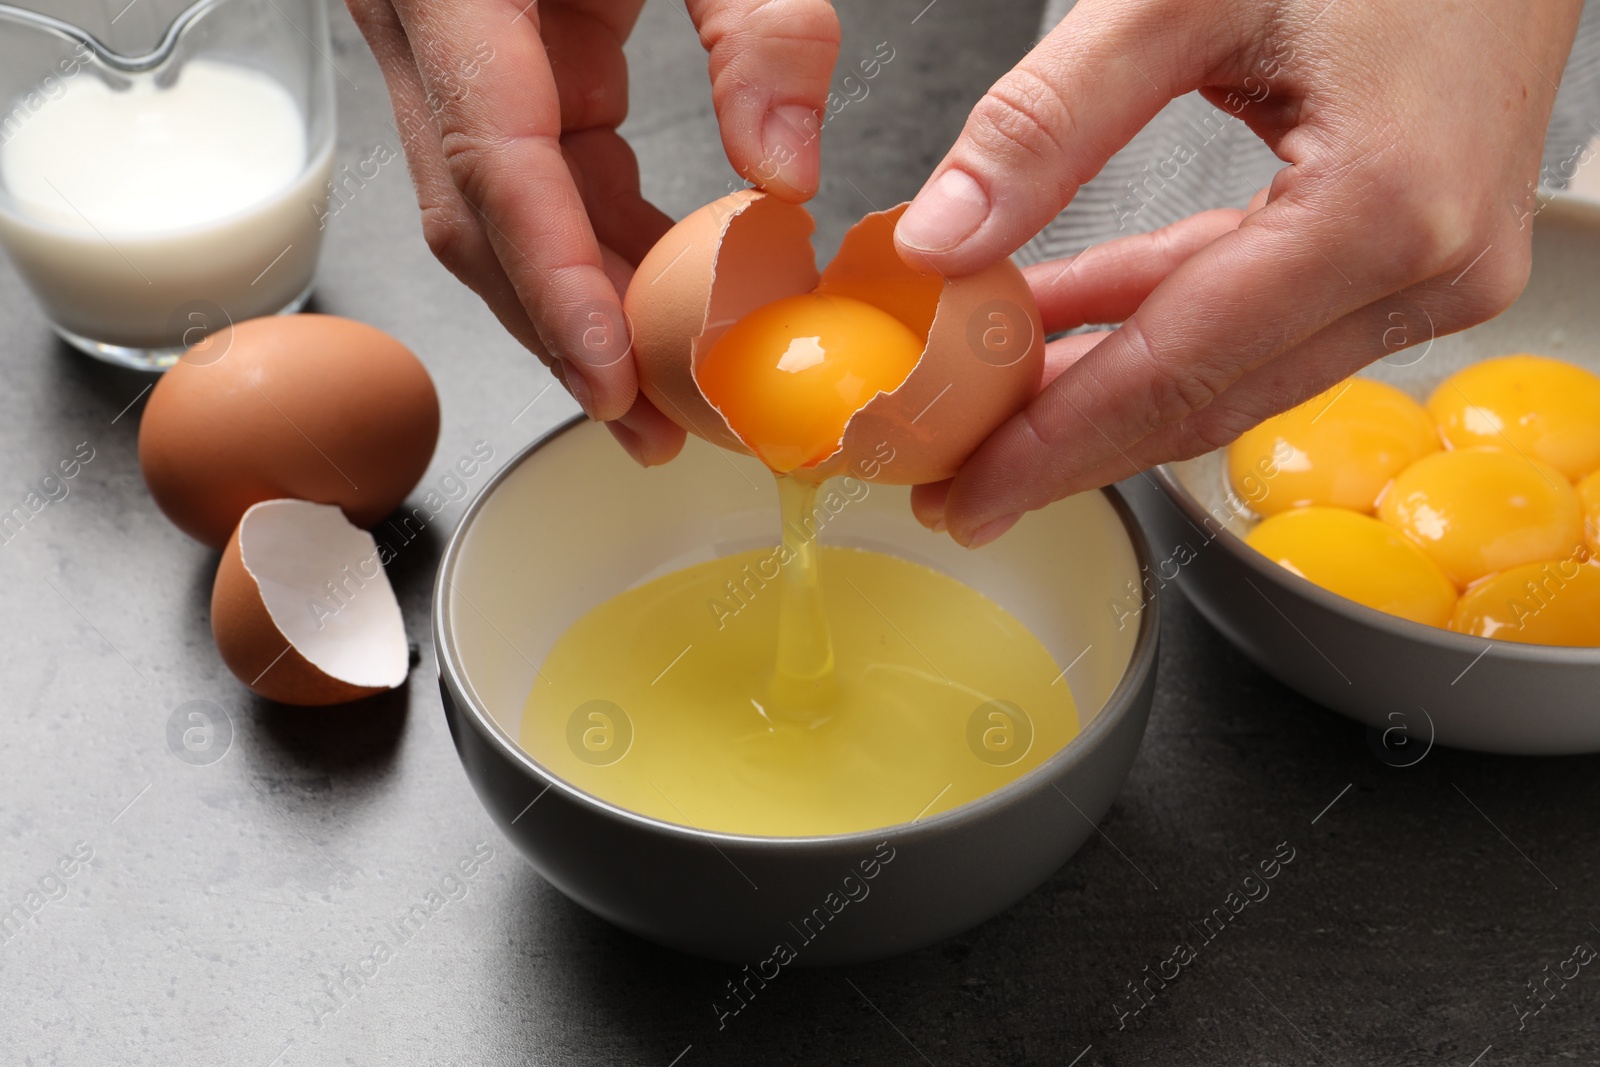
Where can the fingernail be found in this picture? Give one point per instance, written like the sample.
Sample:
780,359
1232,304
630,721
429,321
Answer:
631,442
579,387
938,526
944,214
990,530
787,137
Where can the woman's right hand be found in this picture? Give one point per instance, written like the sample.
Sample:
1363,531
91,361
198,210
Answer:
508,115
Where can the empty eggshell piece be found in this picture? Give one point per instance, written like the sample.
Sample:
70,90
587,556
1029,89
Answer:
313,407
301,609
984,354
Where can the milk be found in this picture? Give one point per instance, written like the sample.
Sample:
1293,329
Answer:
126,209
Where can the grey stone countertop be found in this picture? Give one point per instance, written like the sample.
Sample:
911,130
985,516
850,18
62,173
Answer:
210,908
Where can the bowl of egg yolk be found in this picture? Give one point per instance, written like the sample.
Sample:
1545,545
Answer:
602,670
1418,547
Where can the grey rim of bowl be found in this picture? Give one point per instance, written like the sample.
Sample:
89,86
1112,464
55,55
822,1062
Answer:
1087,739
1449,640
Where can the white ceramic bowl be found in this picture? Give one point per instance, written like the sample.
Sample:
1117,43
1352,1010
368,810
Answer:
1413,682
572,521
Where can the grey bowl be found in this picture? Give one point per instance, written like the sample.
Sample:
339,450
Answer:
572,521
1417,684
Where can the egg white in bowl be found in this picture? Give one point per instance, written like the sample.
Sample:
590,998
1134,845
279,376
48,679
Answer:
572,521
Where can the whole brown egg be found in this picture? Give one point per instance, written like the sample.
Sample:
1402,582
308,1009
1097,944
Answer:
309,407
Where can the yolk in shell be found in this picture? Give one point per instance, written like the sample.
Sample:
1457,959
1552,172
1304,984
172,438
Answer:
1359,558
789,375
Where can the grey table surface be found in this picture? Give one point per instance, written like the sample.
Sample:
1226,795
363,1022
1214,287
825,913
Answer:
218,904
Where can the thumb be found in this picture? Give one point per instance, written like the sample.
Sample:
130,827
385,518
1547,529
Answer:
770,64
1051,123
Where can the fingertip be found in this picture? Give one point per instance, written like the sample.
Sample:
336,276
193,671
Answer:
942,220
631,442
989,531
595,346
578,386
927,504
658,447
790,167
771,64
648,436
605,393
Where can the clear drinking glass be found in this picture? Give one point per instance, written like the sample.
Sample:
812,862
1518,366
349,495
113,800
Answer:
164,167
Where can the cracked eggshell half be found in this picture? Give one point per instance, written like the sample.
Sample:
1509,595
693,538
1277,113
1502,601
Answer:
983,358
301,609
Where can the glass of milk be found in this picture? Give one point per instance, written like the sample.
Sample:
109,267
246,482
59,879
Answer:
164,171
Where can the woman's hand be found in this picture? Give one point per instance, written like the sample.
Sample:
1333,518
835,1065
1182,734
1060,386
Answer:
509,114
1412,134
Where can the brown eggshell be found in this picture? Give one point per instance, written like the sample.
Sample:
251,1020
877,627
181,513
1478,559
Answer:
255,646
983,361
312,407
757,249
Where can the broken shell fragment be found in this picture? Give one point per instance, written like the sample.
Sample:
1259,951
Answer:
301,609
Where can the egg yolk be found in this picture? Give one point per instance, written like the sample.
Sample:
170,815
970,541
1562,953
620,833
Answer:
1339,448
1550,603
789,375
1589,493
1359,558
1546,409
1480,510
